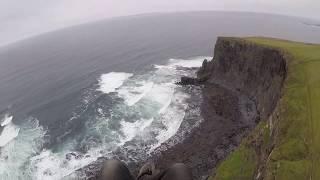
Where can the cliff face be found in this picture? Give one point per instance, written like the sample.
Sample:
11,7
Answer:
258,73
241,87
283,79
255,71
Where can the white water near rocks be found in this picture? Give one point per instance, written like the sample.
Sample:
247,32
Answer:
133,94
25,141
6,120
9,131
146,108
111,81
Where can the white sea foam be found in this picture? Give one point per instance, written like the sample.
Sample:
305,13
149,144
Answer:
55,166
158,116
132,129
6,120
187,63
172,118
111,81
9,132
133,94
15,155
165,106
162,93
171,103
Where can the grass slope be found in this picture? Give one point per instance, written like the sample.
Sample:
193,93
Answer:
292,150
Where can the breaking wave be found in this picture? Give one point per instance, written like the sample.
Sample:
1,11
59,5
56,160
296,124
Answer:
122,113
21,143
111,81
9,131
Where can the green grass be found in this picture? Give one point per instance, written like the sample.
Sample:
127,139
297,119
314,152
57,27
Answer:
296,154
242,162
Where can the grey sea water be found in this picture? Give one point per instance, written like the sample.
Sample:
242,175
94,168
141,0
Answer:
73,95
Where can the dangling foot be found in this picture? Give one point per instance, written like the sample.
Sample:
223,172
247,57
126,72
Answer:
115,170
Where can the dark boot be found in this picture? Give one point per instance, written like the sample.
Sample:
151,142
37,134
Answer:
115,170
147,172
178,171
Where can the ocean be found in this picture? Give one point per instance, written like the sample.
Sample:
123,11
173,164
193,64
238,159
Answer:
71,96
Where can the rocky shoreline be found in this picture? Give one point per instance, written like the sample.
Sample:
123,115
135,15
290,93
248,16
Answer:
239,87
219,133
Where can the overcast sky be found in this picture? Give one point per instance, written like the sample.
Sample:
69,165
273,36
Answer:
24,18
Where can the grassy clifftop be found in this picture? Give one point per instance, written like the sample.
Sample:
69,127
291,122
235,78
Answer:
287,145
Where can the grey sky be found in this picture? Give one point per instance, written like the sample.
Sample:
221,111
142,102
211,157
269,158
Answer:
24,18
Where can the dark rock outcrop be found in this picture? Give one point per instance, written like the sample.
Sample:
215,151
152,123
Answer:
254,70
242,85
191,81
188,81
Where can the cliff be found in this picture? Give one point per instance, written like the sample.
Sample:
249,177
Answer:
241,87
281,78
255,71
260,107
